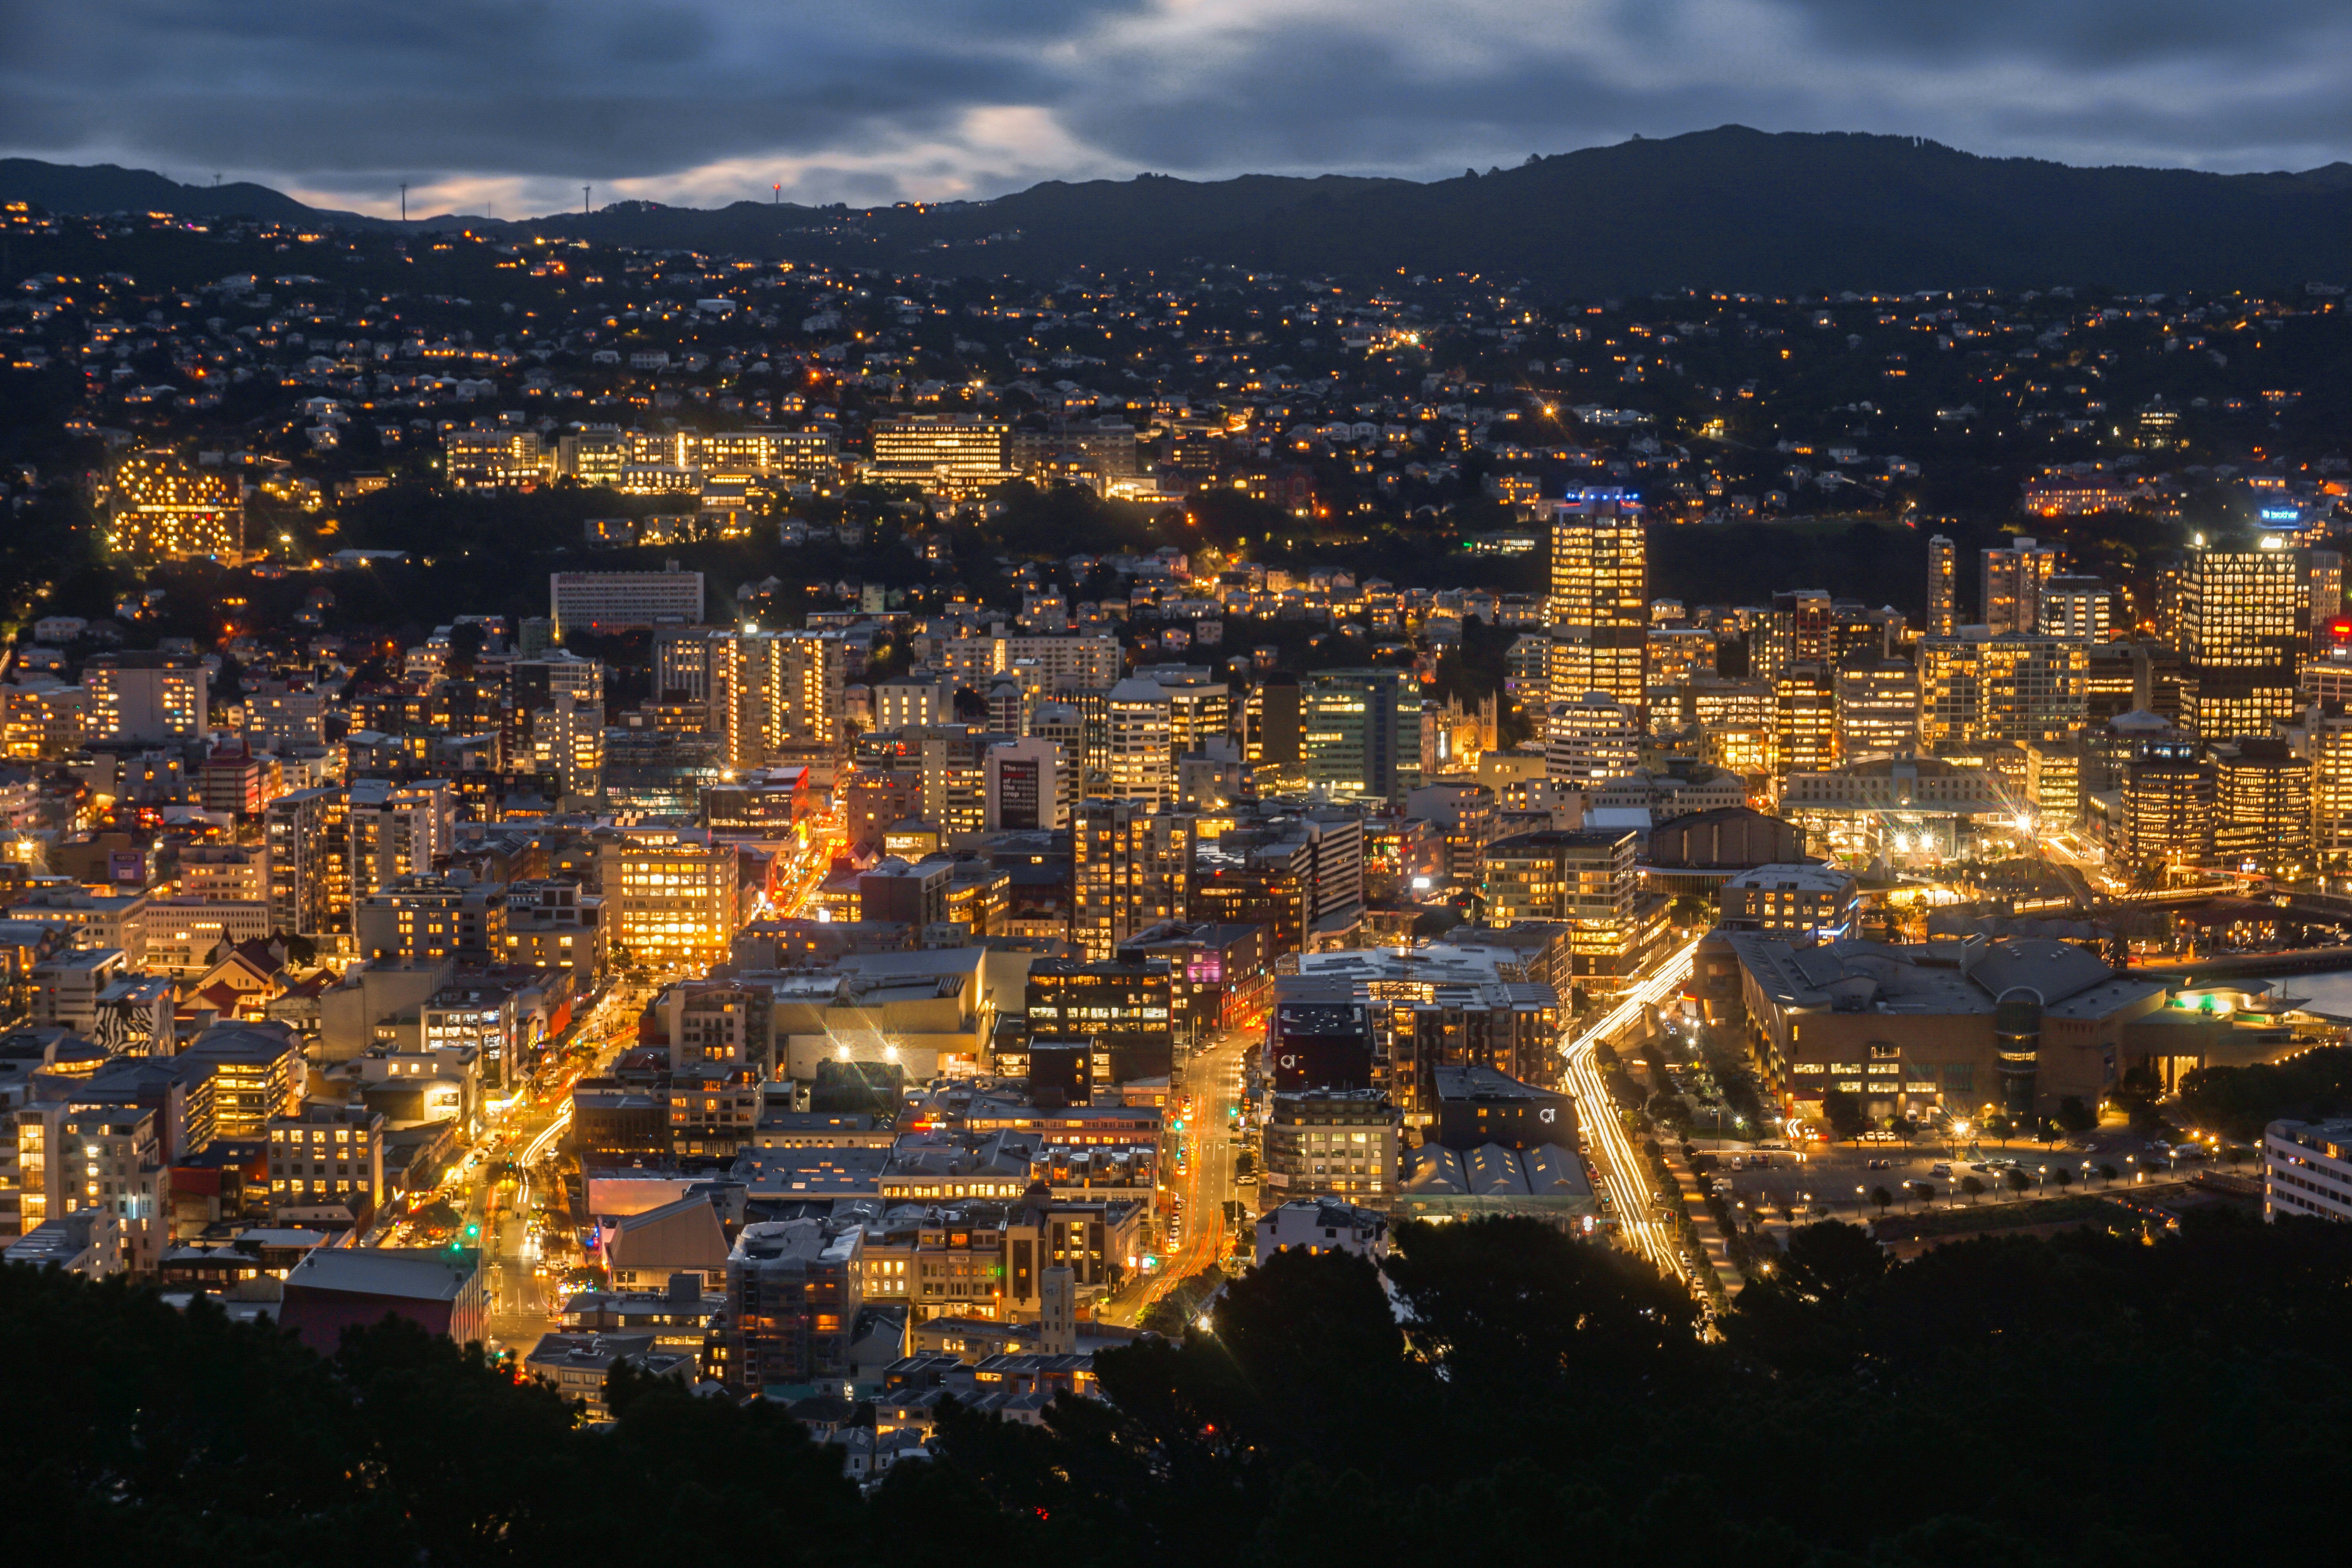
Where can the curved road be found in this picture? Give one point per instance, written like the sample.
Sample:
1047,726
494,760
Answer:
1623,1174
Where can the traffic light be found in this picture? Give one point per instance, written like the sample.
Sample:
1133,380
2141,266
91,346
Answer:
473,1231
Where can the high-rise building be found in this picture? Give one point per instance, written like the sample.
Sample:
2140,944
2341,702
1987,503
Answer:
1804,720
1359,734
2167,805
955,777
1600,597
1878,711
780,688
1142,757
1027,783
2323,737
2261,806
1592,738
308,869
1199,708
2245,625
1130,867
1942,588
161,508
2010,583
1804,627
146,698
1975,688
2073,606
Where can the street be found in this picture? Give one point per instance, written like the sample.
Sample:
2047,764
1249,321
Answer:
1624,1176
1212,1081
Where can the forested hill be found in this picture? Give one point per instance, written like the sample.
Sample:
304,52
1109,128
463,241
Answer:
1731,209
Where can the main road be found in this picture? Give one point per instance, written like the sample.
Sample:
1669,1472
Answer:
1624,1175
1212,1081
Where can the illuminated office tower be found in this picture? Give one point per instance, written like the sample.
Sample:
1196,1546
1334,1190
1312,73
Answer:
2262,807
1142,762
1804,721
1359,734
567,739
161,507
2053,782
2079,607
1878,711
150,697
2324,739
1599,599
1593,738
1735,717
2167,805
1976,690
2246,623
955,778
2323,577
2011,581
1942,588
1200,708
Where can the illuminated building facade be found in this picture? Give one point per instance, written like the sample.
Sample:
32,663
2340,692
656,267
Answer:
780,689
1599,599
2167,805
959,454
1591,738
1359,734
1878,711
1942,588
1130,869
161,507
1142,746
2071,607
2261,806
2245,624
1804,720
489,460
2011,582
1975,689
676,901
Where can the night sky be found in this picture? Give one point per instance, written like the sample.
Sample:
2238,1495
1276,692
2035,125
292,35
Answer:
512,105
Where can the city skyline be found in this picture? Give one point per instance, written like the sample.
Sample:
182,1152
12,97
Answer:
709,102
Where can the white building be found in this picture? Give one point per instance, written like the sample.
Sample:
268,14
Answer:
605,601
2308,1169
1322,1225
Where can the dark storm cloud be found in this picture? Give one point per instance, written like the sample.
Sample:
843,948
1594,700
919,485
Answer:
510,86
889,96
2073,33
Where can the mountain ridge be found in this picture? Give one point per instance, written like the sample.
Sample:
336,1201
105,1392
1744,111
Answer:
1729,208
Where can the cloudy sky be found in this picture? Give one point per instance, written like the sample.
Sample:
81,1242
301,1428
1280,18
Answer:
512,105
